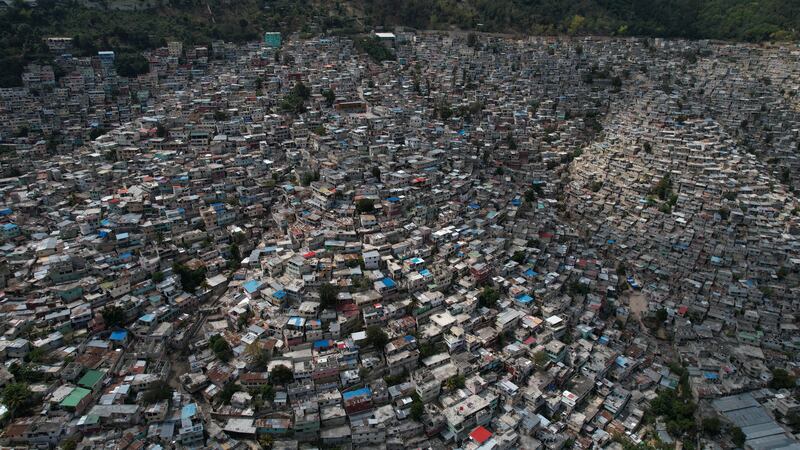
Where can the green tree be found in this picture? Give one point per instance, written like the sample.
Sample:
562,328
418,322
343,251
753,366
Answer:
488,297
417,409
281,374
227,392
738,437
236,256
540,359
113,316
131,64
69,444
158,392
377,337
365,205
711,426
17,398
373,47
220,347
328,294
190,279
258,355
329,96
456,382
161,131
781,379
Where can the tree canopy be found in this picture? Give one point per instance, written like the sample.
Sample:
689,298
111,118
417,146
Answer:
23,27
281,374
377,337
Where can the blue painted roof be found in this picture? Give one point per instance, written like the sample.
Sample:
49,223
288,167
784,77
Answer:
474,206
389,283
365,392
9,226
531,273
296,321
525,298
147,318
188,410
5,211
425,272
280,295
393,199
710,375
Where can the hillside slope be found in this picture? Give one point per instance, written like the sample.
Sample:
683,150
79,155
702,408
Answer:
113,25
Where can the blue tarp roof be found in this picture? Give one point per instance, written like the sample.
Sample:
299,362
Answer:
9,226
393,199
119,335
147,318
357,393
531,273
425,272
279,294
323,343
474,206
5,211
710,375
389,283
251,286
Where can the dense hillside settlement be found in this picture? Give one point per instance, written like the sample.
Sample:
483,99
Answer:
404,240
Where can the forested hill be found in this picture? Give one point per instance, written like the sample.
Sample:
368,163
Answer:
111,24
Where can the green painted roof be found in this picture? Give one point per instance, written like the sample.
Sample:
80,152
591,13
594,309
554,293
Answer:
90,378
75,397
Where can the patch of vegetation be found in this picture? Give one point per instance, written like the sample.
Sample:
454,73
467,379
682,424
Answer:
294,101
220,347
488,297
281,374
327,295
190,279
781,379
158,392
377,337
365,205
373,47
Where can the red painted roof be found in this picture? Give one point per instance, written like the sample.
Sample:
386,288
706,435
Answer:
480,435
